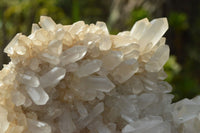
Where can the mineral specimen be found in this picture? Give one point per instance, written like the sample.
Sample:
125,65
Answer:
80,79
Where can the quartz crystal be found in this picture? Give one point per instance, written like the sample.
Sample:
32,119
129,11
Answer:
80,79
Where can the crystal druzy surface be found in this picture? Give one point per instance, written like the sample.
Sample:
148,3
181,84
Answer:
80,79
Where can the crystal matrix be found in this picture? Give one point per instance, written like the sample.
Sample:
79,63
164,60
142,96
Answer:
80,79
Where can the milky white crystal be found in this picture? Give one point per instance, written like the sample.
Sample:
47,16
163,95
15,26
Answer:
80,79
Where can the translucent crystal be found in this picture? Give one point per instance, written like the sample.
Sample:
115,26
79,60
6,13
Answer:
77,27
125,70
150,125
60,34
73,54
99,83
35,126
73,67
91,39
105,43
18,98
129,48
81,110
157,26
111,60
35,27
139,27
38,95
34,65
102,26
52,59
10,47
21,50
67,39
120,41
55,47
52,77
159,58
97,110
66,124
41,35
47,23
185,110
30,80
89,67
3,120
100,127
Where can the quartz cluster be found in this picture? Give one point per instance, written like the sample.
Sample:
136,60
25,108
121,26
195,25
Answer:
80,79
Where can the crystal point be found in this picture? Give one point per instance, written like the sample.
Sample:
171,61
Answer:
73,54
47,23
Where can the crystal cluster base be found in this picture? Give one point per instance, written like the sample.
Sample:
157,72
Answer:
80,79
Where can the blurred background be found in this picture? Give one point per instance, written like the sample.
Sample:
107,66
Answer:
183,36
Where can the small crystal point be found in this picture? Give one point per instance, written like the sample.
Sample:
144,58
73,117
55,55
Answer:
96,111
50,58
105,43
77,27
35,126
66,124
38,95
47,23
99,83
89,67
18,98
10,47
30,80
102,26
35,27
82,110
55,47
159,58
112,60
120,41
52,77
73,54
125,70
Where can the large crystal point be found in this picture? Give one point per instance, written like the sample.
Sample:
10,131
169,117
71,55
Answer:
153,32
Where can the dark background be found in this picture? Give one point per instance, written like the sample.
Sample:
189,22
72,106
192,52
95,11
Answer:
183,35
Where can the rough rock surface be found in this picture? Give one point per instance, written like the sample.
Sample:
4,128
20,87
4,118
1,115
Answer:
80,79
